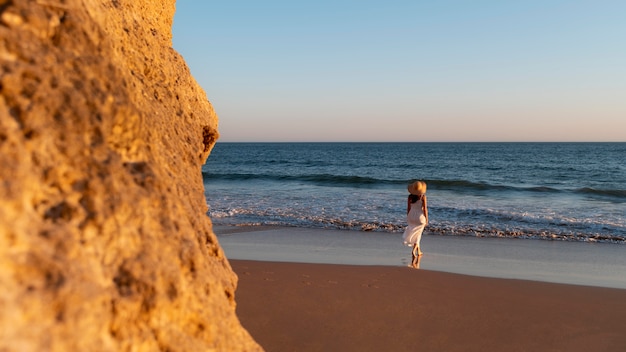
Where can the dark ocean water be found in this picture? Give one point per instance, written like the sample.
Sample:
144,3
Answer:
555,191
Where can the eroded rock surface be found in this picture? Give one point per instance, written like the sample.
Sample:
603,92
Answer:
104,241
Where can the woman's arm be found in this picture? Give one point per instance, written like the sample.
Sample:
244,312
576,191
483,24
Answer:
425,209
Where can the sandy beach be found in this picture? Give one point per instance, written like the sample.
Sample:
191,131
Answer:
324,290
326,307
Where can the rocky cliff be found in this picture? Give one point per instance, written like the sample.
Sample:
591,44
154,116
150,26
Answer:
104,241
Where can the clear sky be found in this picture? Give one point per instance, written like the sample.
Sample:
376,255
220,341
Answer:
423,70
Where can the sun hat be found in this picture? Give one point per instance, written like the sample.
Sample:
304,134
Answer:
417,188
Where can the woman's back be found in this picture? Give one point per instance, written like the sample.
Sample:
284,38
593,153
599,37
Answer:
416,213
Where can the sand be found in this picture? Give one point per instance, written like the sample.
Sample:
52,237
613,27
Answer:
331,290
329,307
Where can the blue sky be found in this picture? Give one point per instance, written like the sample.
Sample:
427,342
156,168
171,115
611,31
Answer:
421,70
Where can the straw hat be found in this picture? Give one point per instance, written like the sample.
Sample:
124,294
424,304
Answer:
417,188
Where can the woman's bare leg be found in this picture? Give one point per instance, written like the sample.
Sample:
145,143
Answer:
414,256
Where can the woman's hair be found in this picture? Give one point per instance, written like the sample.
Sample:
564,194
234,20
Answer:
414,198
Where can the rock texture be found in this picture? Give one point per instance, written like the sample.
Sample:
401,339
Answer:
104,241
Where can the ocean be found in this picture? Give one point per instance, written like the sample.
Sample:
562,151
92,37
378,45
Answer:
546,191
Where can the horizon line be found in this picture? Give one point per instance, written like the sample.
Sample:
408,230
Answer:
313,141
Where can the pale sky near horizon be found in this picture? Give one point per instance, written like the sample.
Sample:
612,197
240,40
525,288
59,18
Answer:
416,71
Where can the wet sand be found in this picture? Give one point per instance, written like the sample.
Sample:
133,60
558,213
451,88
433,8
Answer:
589,264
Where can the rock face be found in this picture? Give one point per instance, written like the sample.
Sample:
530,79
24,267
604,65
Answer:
104,241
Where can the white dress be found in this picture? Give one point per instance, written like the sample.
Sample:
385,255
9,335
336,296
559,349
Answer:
417,221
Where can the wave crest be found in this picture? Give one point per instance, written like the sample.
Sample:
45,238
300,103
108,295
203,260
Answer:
458,185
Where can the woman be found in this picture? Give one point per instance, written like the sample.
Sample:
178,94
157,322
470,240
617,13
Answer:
417,218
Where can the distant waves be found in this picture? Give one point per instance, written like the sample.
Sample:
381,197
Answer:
461,186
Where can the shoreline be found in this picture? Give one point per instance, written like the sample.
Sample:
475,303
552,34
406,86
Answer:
574,263
328,307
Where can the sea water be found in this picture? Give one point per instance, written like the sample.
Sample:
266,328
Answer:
553,191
